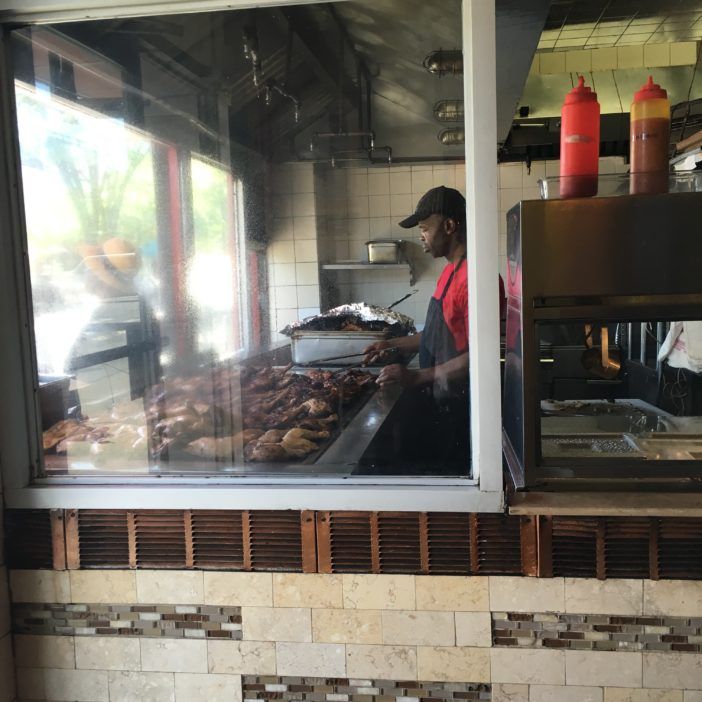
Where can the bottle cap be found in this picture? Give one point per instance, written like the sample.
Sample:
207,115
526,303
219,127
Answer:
580,93
650,91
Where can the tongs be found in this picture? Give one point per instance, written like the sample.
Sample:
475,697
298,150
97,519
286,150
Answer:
320,361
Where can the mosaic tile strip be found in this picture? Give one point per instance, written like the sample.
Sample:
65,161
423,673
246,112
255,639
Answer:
597,632
256,687
167,621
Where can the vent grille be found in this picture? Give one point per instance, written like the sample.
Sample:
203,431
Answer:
159,539
399,543
575,547
349,542
448,536
626,548
217,539
103,538
29,538
679,548
498,545
275,540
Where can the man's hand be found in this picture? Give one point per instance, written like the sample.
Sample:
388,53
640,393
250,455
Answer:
397,374
374,352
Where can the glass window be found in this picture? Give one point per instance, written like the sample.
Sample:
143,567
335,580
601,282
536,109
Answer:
247,242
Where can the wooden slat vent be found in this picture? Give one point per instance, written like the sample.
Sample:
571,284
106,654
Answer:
217,539
28,536
399,542
626,547
275,540
349,542
448,536
679,548
574,544
497,544
103,538
159,539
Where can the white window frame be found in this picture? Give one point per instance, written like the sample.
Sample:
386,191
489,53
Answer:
19,431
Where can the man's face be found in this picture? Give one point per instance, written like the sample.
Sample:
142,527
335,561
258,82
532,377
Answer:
434,235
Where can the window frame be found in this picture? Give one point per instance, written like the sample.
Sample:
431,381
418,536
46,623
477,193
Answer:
19,410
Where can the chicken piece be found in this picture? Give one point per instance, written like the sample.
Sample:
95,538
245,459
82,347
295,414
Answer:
272,436
268,453
298,447
300,433
318,423
247,435
317,408
60,431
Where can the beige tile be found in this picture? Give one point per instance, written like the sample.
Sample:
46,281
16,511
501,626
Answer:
170,587
419,628
128,686
560,693
379,591
191,687
239,589
453,664
606,668
107,653
400,182
241,657
40,586
508,692
307,273
401,205
656,55
307,590
379,206
385,662
76,685
311,659
44,651
30,684
304,228
174,656
604,596
673,597
552,62
282,251
527,667
452,593
473,629
630,56
347,626
692,696
303,205
276,624
579,61
673,670
517,594
622,694
683,53
379,183
114,586
305,251
307,295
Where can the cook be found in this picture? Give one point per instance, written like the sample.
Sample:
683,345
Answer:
442,377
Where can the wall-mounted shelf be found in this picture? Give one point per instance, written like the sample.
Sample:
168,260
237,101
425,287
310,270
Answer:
359,266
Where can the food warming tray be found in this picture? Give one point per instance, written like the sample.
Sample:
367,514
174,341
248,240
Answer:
312,345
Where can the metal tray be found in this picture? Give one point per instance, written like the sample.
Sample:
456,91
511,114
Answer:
312,345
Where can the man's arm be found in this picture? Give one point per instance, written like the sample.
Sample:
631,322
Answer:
406,344
453,371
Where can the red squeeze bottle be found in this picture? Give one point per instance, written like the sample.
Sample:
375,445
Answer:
580,142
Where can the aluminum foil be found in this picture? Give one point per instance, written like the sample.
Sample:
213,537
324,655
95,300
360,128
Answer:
370,316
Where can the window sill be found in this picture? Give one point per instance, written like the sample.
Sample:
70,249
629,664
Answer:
607,504
221,495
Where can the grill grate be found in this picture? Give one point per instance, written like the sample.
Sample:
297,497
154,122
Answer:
626,548
28,536
349,542
448,536
679,548
399,542
575,546
217,539
497,544
275,540
103,538
159,539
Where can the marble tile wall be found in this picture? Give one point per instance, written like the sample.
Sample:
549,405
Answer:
387,630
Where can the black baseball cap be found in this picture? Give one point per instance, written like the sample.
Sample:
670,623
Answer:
442,200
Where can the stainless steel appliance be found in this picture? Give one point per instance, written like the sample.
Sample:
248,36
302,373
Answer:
615,264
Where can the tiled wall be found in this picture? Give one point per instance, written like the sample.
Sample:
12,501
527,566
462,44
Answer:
7,677
335,638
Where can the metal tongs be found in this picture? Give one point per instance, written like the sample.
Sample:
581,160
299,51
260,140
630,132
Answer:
320,361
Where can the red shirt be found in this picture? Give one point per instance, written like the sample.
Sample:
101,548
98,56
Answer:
455,304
